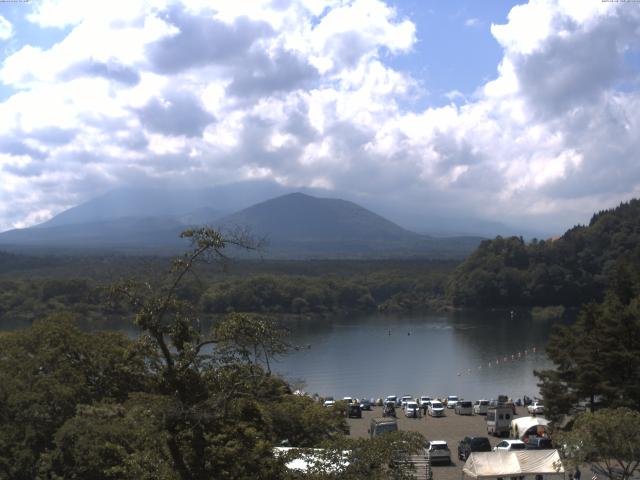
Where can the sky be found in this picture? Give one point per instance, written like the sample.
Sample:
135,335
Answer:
521,112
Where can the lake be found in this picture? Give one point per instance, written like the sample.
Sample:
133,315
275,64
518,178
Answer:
463,353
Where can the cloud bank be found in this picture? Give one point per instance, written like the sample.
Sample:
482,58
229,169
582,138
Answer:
302,93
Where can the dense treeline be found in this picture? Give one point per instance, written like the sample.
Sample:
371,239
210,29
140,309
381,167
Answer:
570,270
384,291
386,287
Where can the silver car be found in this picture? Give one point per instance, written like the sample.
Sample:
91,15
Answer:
436,409
437,451
412,410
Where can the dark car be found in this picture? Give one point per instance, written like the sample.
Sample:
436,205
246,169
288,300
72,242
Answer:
472,444
365,404
538,443
389,409
354,411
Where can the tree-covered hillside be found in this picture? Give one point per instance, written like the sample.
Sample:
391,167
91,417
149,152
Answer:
570,270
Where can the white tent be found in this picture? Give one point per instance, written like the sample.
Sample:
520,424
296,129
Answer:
525,426
519,463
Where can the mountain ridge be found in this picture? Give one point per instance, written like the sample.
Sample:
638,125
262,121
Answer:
299,226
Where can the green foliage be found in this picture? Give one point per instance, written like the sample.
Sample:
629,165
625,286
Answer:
110,441
597,358
304,422
569,271
607,439
384,457
45,372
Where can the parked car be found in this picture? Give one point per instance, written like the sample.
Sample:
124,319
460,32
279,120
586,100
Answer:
425,400
437,451
365,404
536,408
405,399
391,398
464,408
472,444
538,443
329,402
412,410
452,401
509,445
354,411
436,409
481,407
347,400
378,426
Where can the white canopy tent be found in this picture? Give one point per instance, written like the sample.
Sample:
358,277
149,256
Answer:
531,464
526,426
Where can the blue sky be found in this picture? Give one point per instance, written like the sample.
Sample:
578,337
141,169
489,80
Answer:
521,112
455,50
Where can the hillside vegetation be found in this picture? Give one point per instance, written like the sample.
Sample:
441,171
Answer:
570,270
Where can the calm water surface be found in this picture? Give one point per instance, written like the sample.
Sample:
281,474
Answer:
432,354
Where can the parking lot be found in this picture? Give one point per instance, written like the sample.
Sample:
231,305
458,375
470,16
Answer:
451,428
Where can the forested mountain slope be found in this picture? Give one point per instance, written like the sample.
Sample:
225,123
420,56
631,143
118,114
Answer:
570,270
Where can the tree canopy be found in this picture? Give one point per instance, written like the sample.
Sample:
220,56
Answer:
571,270
607,440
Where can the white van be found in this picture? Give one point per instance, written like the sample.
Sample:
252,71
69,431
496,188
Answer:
499,421
480,407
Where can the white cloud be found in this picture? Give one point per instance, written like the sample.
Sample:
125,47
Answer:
302,92
6,29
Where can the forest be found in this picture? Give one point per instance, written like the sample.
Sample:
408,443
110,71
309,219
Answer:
570,270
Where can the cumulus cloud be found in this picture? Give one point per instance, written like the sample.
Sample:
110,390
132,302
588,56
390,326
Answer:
6,29
302,92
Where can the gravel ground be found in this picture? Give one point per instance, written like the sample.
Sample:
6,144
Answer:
452,428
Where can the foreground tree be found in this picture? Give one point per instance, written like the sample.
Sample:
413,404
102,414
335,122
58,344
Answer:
607,440
213,425
597,359
46,371
385,457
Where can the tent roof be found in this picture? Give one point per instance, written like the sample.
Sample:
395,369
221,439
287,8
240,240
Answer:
506,464
524,423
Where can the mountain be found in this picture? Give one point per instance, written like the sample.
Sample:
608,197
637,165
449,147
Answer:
128,234
176,202
302,225
185,203
297,225
301,217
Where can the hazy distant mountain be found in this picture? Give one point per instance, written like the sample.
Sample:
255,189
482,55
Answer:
180,203
301,217
119,234
302,225
297,225
186,204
